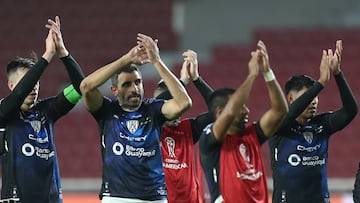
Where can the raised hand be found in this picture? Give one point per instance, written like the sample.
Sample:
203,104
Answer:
335,59
184,73
324,68
254,63
150,46
49,48
54,26
138,55
264,64
191,57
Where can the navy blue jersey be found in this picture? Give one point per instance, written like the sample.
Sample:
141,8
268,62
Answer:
30,167
210,160
130,143
299,157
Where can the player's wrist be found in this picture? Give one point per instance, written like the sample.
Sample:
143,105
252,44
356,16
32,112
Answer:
337,72
63,53
269,75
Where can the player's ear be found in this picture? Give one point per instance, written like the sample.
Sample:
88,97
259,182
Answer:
114,90
290,97
11,85
218,111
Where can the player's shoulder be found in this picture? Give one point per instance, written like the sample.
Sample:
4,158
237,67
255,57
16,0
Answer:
207,130
152,101
321,117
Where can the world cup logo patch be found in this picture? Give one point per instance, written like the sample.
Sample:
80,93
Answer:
132,125
170,142
243,152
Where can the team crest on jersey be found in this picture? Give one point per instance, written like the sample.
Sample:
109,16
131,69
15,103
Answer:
308,137
36,125
170,142
132,125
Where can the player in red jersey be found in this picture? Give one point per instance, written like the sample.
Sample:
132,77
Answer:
178,138
229,148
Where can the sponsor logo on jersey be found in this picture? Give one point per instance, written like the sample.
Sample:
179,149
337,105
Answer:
308,149
162,191
132,125
295,160
250,176
29,150
136,139
119,149
39,139
175,166
207,129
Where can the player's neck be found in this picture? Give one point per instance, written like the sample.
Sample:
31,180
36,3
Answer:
302,120
130,108
234,130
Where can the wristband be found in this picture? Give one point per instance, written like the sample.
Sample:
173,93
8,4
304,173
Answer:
269,76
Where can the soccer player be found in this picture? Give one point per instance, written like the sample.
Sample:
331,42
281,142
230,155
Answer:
30,171
178,138
299,149
130,125
230,151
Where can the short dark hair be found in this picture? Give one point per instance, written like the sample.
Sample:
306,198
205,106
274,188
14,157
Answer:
128,69
164,91
219,98
19,62
298,82
161,85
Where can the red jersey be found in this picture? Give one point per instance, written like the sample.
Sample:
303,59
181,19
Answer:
179,165
242,174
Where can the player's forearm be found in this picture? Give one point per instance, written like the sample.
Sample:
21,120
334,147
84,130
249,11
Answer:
48,55
348,100
241,95
22,89
204,88
238,99
277,99
74,71
273,118
177,90
300,104
101,75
